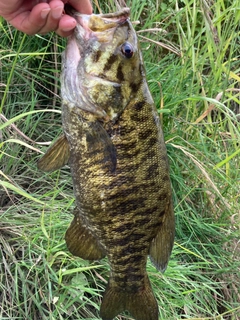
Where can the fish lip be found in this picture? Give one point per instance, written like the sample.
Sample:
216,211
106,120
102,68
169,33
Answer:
117,18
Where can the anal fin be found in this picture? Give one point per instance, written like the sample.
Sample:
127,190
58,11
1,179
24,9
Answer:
161,246
81,242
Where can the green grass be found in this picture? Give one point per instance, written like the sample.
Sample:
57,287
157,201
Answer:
192,52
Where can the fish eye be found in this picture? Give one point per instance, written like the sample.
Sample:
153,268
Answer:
127,50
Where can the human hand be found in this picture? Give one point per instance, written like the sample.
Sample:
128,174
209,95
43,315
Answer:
31,16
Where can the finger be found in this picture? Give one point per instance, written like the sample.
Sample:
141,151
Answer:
31,22
66,26
53,17
46,17
67,23
83,6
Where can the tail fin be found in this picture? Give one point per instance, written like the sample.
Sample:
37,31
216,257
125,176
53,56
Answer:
142,304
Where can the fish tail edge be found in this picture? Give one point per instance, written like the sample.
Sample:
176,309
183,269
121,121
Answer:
142,304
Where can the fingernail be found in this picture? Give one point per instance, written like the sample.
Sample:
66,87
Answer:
45,12
70,27
57,12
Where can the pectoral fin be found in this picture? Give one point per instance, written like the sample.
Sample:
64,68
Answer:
162,244
99,141
56,156
81,242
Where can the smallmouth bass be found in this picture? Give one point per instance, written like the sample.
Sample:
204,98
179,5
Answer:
115,148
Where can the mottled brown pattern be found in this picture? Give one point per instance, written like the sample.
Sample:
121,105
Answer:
120,171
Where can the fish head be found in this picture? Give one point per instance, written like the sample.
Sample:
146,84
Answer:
102,64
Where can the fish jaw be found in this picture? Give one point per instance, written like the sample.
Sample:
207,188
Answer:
73,91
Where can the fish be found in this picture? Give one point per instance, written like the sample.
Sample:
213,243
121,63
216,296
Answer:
114,144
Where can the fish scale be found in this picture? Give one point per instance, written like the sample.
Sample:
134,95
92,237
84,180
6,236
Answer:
115,148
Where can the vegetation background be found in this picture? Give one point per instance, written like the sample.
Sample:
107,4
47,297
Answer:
192,58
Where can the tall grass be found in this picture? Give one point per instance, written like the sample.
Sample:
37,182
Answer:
192,52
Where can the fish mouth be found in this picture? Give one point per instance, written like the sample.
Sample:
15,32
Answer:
101,26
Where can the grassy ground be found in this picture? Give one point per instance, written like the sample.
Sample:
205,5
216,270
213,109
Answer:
192,53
